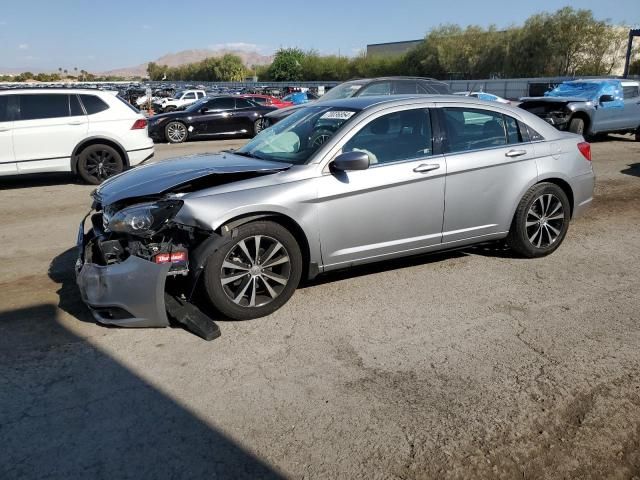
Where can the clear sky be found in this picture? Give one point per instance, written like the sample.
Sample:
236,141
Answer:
103,34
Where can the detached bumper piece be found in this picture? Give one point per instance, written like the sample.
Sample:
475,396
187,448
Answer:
131,292
135,286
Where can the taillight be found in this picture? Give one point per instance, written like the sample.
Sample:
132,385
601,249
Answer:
139,124
585,150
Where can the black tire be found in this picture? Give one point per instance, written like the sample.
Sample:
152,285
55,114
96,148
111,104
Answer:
258,126
171,130
320,136
522,237
98,162
168,109
577,125
215,272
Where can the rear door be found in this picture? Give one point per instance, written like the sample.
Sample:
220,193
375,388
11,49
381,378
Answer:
46,130
631,93
489,163
7,158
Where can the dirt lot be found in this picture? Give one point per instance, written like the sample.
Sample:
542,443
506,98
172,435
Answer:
470,364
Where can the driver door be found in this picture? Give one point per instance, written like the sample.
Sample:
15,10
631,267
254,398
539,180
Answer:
217,118
394,206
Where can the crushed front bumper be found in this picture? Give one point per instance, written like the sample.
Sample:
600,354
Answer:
127,294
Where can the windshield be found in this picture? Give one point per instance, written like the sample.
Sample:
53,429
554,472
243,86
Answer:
586,90
344,90
178,94
296,138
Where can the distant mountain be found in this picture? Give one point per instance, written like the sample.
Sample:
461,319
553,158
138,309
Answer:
191,56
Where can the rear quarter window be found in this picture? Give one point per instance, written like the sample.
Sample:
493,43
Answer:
93,104
630,91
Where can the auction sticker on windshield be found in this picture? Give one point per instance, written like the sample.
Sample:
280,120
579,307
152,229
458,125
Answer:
338,114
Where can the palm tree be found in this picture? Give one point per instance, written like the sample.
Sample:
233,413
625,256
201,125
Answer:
75,69
65,72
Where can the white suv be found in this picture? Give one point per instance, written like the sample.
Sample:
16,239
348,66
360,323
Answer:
182,98
92,133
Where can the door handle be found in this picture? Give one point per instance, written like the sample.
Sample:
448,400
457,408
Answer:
76,122
4,129
515,153
426,167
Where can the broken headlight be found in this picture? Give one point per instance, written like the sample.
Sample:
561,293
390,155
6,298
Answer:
144,219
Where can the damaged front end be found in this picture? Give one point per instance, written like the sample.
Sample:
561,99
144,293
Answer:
135,264
556,113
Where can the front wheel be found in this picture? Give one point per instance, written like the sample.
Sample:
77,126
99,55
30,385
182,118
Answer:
541,221
176,132
256,273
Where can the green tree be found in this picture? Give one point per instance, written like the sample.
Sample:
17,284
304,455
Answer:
287,65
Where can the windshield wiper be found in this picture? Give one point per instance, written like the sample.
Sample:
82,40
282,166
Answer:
246,154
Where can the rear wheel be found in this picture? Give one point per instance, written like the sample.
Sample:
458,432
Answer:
256,273
541,221
258,126
176,132
96,163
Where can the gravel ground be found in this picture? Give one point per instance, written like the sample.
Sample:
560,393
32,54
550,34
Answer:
470,364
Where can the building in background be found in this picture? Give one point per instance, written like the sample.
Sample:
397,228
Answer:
391,48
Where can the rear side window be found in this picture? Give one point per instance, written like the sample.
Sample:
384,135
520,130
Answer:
473,129
46,105
4,114
93,104
630,91
242,103
514,130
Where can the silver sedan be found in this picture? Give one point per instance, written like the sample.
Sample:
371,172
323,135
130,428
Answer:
333,185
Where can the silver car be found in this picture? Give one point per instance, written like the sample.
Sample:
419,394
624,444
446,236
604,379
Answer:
336,184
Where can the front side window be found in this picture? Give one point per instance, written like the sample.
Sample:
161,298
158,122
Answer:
378,88
473,129
41,106
189,96
405,87
395,137
297,137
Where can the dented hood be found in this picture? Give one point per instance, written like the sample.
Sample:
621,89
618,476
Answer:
162,177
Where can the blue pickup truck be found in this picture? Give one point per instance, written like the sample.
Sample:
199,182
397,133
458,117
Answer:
590,107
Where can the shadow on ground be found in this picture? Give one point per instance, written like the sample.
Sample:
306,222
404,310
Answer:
633,170
68,410
38,180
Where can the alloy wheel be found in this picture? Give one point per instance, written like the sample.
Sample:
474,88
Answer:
101,164
176,132
545,220
255,271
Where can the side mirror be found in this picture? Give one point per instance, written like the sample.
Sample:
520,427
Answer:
606,98
351,161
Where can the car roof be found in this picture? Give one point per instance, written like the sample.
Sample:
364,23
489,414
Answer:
55,90
362,103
